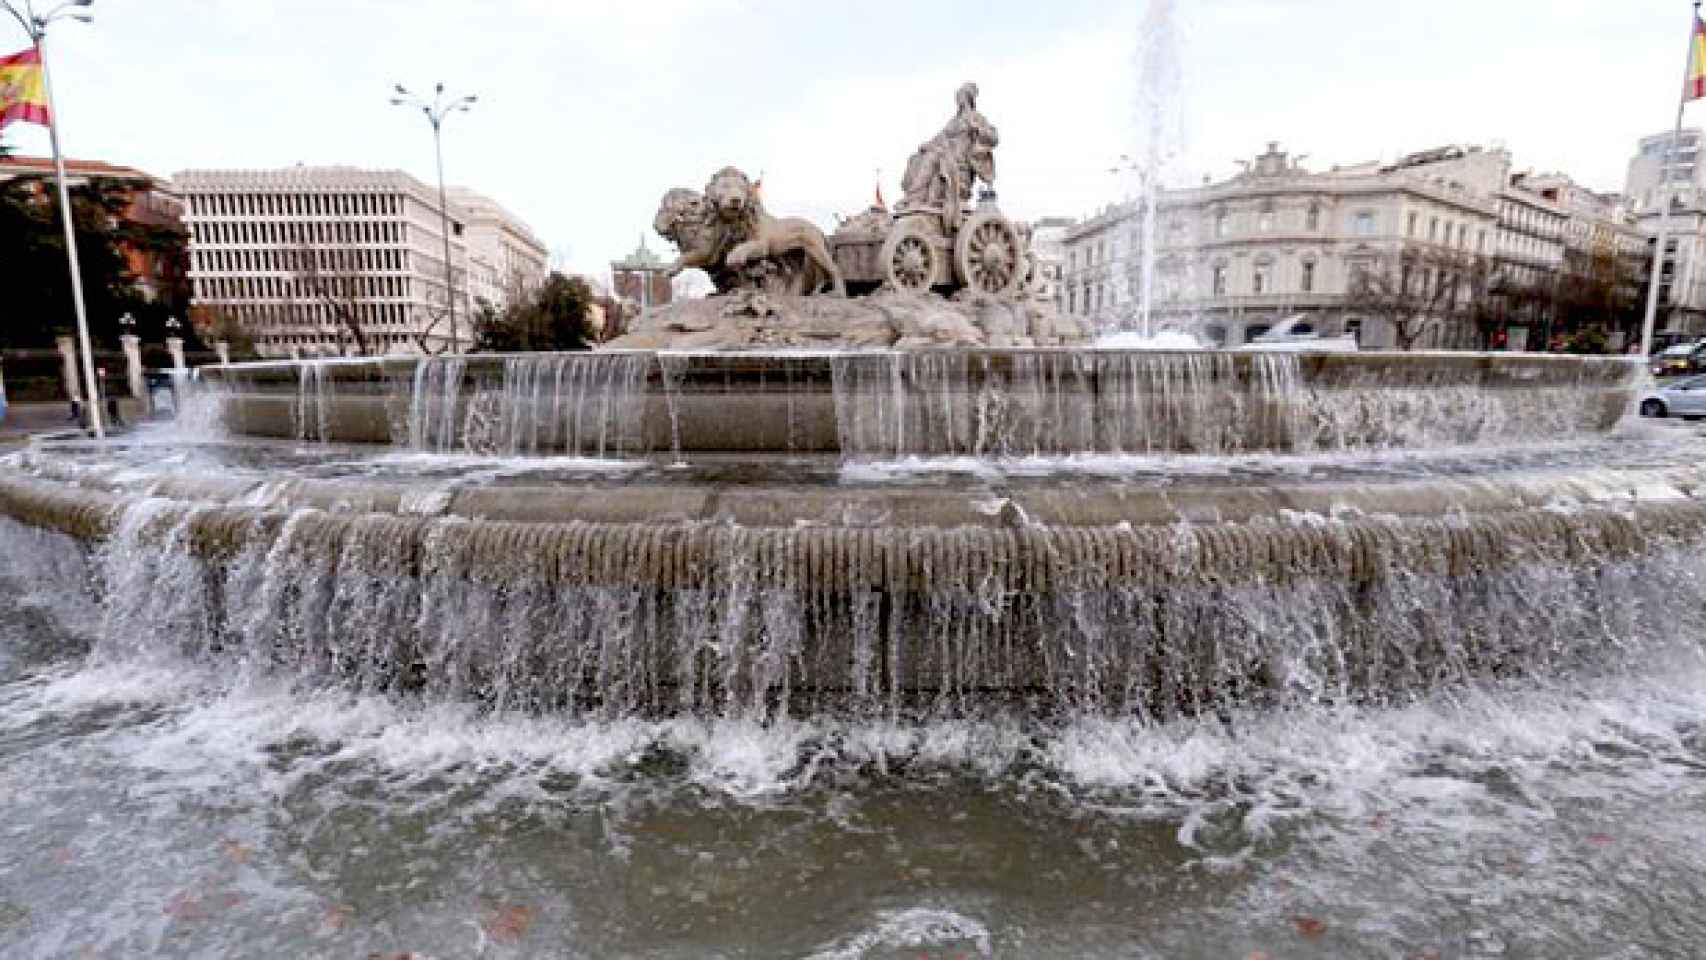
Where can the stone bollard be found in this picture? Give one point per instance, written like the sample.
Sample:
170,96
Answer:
133,365
175,345
68,354
223,348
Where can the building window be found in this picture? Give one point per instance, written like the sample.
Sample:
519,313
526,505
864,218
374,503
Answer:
1463,236
1410,227
1433,230
1220,281
1222,221
1312,220
1265,222
1259,279
1363,224
1308,282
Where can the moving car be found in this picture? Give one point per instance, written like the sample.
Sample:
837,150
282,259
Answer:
1680,359
1297,332
1683,398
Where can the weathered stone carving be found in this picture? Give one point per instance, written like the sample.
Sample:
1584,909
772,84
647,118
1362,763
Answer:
727,233
940,176
939,270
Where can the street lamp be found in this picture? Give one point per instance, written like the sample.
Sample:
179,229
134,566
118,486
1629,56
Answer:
35,25
435,111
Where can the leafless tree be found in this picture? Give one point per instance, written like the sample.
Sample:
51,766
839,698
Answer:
330,274
1419,289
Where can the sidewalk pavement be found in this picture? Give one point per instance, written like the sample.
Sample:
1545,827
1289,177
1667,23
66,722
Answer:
24,420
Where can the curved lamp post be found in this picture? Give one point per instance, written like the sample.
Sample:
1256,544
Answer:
435,111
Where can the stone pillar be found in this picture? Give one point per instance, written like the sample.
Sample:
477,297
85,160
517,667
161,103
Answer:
223,348
68,354
176,346
133,364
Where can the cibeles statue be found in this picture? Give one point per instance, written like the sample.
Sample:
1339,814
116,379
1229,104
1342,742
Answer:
727,233
941,174
943,268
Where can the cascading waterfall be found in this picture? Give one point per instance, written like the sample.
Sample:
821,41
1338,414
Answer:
588,404
313,401
1061,403
1006,403
715,619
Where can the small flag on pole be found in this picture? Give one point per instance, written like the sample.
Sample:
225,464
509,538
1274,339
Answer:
1696,88
23,93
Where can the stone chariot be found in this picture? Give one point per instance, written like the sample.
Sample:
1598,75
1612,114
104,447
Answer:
935,241
918,251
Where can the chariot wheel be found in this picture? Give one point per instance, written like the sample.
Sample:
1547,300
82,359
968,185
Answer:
989,257
909,260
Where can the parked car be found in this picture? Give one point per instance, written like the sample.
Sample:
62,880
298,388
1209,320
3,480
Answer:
1682,398
1680,359
1297,332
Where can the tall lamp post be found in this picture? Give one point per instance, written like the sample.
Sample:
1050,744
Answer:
436,110
35,24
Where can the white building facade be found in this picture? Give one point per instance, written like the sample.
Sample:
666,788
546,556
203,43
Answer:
1668,169
1234,257
506,260
312,261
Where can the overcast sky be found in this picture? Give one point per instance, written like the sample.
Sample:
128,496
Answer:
589,109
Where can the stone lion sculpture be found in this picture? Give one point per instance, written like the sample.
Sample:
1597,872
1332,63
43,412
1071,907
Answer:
727,233
703,239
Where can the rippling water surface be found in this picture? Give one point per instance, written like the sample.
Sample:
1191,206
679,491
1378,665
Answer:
156,807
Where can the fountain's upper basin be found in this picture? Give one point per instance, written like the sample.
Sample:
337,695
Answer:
978,403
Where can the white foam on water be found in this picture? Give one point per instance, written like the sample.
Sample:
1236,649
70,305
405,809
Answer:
496,466
909,928
1161,340
197,729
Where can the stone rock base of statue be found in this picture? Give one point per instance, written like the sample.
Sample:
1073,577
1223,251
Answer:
757,320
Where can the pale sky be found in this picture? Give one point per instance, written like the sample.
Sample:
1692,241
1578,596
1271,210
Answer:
589,110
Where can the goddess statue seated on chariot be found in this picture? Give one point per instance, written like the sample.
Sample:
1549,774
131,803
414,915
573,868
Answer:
934,240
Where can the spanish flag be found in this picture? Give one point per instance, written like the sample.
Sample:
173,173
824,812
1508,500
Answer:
1696,88
23,94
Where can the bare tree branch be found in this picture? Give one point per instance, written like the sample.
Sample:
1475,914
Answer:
331,274
1420,288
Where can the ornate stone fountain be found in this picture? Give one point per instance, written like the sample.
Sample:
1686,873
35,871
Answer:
702,528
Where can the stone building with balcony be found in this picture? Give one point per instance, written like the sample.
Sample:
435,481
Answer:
1235,257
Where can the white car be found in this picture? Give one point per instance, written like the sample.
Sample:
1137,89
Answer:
1296,333
1683,398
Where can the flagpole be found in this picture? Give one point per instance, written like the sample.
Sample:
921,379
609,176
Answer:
1664,195
91,389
